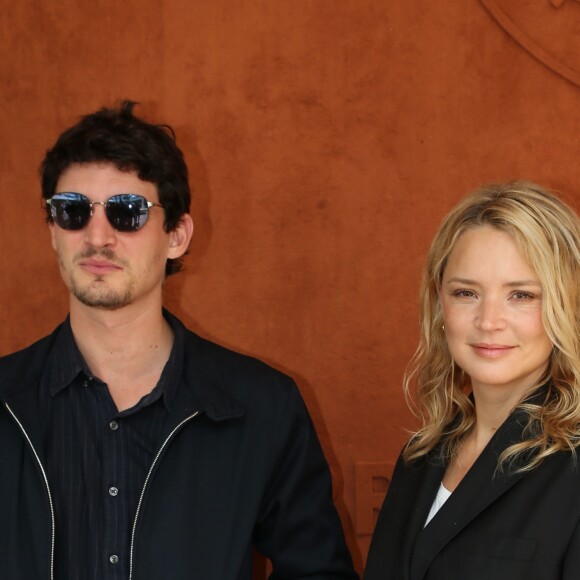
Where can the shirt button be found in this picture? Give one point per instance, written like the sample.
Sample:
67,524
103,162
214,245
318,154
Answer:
114,559
113,425
113,491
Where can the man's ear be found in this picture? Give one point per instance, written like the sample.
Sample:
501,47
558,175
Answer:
180,237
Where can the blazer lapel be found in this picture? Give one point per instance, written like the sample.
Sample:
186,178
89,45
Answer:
426,491
402,516
480,487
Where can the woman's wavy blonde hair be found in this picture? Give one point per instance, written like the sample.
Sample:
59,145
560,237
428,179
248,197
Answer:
547,232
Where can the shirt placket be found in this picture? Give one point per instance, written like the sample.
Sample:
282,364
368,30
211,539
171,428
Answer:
114,558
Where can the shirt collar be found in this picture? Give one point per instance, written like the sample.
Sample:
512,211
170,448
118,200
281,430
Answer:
65,362
172,373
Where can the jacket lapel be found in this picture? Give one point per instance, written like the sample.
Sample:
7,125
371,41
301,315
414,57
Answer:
401,519
428,485
482,485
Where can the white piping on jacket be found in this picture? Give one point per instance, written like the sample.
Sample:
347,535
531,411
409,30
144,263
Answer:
161,449
45,483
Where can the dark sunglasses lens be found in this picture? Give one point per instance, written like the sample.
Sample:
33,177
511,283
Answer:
70,211
127,212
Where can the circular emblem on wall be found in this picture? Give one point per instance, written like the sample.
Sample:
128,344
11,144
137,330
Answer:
548,29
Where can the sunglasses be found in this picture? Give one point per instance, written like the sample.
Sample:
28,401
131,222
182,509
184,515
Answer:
126,212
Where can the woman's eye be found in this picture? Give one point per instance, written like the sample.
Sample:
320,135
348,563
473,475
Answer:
463,294
523,295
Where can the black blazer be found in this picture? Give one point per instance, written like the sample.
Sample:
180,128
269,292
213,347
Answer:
495,525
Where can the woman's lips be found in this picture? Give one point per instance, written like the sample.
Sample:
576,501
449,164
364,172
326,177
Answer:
491,350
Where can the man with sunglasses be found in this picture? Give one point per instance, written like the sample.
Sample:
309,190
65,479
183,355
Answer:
130,447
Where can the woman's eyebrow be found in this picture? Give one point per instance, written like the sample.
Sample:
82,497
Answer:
511,283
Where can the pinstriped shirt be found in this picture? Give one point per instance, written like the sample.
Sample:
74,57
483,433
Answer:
97,459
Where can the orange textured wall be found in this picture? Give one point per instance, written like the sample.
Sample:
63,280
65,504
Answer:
326,139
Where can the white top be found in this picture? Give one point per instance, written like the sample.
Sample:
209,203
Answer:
443,494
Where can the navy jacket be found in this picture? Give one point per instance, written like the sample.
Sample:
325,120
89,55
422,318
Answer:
495,526
241,466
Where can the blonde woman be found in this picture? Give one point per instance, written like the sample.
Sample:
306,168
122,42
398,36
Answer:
489,486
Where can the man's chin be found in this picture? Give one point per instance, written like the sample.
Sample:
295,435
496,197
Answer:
103,300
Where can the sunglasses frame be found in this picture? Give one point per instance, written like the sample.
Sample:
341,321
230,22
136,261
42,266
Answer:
83,200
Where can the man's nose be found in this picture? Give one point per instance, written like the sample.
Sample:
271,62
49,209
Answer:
98,231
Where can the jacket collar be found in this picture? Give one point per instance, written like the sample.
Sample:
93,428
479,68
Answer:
204,377
22,370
